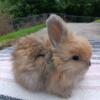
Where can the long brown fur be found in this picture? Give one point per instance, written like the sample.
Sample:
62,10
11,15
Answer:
43,65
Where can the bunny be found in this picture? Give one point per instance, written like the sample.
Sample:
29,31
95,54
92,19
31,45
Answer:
54,64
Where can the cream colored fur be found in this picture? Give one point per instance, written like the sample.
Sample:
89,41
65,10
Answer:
43,65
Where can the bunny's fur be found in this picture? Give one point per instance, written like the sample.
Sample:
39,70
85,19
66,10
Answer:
43,65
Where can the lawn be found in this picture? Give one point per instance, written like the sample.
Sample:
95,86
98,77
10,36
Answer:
6,40
97,20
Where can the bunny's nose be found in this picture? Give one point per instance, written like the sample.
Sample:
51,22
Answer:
89,63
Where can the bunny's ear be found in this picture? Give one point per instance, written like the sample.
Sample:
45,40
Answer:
56,29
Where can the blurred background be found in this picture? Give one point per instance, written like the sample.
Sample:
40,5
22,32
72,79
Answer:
16,15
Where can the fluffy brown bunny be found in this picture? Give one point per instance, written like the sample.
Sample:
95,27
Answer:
53,66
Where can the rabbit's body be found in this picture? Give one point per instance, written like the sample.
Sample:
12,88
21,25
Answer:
30,63
53,66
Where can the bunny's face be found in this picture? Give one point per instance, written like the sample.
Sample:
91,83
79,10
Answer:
71,53
73,56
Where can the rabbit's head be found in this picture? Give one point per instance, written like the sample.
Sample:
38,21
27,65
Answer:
72,53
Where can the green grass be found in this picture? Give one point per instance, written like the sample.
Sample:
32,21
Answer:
97,20
6,39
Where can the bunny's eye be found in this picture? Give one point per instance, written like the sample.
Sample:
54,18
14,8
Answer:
76,58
